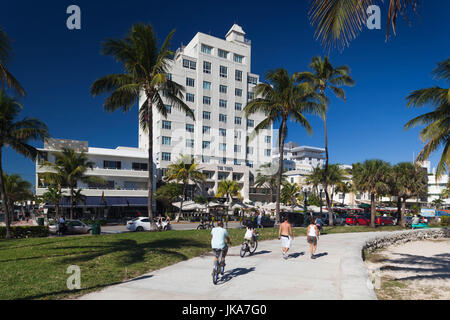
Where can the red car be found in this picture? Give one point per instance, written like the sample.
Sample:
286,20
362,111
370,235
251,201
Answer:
358,220
384,221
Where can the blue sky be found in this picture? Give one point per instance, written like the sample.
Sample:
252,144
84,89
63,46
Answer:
56,66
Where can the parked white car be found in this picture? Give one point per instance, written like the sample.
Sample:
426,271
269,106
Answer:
143,224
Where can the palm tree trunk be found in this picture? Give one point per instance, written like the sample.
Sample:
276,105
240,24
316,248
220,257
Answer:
399,209
71,203
325,174
280,169
150,162
183,196
373,210
402,217
4,200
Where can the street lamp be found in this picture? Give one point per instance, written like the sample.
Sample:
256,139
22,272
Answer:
321,190
305,207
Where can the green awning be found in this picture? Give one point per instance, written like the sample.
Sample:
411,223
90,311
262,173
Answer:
364,206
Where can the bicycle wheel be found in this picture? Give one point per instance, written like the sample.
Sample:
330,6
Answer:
215,273
200,227
244,249
253,247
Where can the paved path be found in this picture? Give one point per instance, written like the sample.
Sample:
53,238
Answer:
175,226
339,273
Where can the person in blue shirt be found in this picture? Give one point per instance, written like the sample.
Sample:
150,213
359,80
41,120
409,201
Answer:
219,241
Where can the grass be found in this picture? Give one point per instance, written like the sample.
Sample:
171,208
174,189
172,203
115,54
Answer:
36,268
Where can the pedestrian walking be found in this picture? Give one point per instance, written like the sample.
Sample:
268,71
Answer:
286,236
259,220
313,237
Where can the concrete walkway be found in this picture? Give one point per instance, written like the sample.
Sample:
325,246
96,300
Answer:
339,273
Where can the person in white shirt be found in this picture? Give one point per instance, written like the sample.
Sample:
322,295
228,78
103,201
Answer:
219,240
312,237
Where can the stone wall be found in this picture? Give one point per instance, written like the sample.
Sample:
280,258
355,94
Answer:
380,242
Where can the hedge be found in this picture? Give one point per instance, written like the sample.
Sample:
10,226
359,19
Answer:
25,232
445,221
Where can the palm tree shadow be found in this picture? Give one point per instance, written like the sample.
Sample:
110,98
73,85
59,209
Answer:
229,275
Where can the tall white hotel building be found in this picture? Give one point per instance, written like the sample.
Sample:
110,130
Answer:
216,74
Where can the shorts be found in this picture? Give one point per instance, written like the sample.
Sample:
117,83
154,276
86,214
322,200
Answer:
217,251
285,242
312,240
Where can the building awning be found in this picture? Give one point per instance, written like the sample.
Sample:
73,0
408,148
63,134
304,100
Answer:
108,202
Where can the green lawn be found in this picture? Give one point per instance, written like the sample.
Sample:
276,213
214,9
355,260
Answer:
36,268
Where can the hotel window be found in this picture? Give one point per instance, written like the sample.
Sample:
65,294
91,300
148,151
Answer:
237,148
190,128
237,135
206,130
206,144
238,58
222,175
250,96
168,109
223,53
207,100
112,165
189,64
207,67
166,141
208,174
238,75
169,76
222,146
268,152
190,97
237,162
190,82
166,156
223,89
238,120
252,80
206,85
238,92
250,123
206,49
206,115
205,159
223,132
249,150
139,166
223,72
222,118
268,139
223,161
249,163
222,103
238,106
189,143
167,125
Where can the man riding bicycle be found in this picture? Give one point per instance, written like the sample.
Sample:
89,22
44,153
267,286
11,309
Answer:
219,236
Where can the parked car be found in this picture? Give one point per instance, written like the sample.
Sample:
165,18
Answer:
143,224
73,227
384,221
358,220
338,220
265,221
295,219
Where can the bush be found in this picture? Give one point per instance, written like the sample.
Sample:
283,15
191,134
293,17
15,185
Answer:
445,221
25,232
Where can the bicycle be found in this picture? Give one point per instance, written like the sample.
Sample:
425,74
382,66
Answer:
249,246
204,226
219,265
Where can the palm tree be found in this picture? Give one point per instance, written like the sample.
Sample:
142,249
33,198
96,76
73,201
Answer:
267,178
315,179
185,171
446,193
283,98
335,176
338,22
68,169
6,78
76,197
409,181
436,134
374,177
17,190
168,193
344,187
17,135
289,193
145,73
229,189
437,203
53,195
324,76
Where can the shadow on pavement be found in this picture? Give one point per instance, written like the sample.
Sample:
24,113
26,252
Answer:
261,252
139,278
296,255
320,255
229,275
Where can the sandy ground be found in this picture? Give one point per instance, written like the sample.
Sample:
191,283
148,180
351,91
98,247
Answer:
418,270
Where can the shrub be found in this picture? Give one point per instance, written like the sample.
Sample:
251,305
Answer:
445,221
25,232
